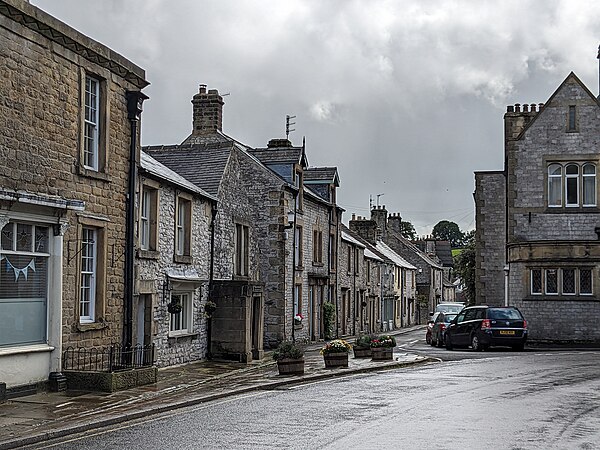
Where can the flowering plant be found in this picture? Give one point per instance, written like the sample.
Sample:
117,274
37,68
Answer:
385,340
298,318
364,340
336,346
289,350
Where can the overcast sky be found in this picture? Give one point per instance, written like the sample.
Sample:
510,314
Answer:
406,98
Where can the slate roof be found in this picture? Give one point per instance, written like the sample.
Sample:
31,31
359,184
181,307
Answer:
154,167
393,256
408,244
203,165
279,155
314,175
348,238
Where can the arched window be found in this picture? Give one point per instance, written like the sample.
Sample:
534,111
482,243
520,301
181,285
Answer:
572,185
589,185
554,185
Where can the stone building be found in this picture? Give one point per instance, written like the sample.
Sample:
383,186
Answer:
272,234
429,275
351,284
537,221
389,280
173,264
65,143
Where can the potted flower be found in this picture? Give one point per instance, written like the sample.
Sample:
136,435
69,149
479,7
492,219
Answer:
298,320
290,358
362,346
335,353
382,347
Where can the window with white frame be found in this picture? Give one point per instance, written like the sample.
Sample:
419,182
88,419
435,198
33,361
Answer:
183,226
91,133
24,259
242,250
297,299
563,281
181,322
571,185
88,273
148,218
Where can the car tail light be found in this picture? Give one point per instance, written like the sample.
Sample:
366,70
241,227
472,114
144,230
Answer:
486,325
524,324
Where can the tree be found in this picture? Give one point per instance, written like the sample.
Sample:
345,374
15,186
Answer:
464,267
407,230
448,231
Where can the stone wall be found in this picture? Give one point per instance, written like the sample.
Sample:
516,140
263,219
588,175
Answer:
490,225
540,236
152,275
41,83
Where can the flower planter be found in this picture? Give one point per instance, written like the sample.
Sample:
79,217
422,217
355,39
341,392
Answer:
362,352
382,353
339,359
289,366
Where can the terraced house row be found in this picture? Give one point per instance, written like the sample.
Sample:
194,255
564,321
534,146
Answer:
117,257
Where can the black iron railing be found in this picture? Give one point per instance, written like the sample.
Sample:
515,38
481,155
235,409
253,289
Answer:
108,359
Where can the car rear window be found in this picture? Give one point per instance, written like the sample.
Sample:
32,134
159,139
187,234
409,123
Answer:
504,313
448,317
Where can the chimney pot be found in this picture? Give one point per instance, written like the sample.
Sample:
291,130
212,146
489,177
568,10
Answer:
510,108
208,111
533,107
517,107
353,216
525,107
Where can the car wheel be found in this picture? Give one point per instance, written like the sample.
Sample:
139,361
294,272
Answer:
476,344
433,342
428,339
440,342
448,342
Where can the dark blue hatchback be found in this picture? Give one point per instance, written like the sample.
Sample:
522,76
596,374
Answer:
484,326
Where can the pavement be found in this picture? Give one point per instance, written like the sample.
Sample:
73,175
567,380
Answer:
37,418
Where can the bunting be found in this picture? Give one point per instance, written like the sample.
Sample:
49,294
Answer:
25,270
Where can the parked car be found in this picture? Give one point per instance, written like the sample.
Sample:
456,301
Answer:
483,326
455,307
429,327
438,331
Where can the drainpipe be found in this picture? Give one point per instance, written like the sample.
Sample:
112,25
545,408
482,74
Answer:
211,276
506,274
295,194
135,99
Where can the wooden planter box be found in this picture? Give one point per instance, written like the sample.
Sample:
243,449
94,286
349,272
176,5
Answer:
382,353
362,352
333,360
290,366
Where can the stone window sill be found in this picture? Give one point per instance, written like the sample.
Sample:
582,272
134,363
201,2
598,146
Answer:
91,326
559,298
93,174
183,259
35,348
179,336
148,254
317,264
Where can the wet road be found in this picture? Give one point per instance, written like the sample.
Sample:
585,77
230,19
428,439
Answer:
500,399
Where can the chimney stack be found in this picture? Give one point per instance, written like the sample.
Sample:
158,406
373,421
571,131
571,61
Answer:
208,112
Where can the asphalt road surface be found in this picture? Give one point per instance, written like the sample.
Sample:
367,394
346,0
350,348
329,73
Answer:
537,399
